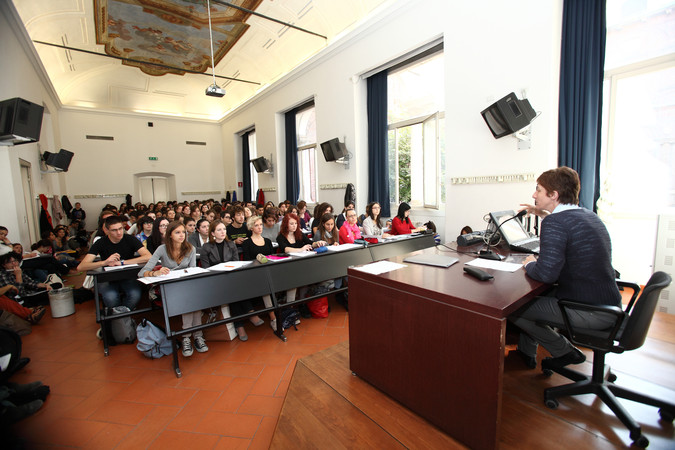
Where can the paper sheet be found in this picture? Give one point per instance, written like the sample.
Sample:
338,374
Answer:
230,265
380,267
119,267
496,265
301,254
339,248
178,273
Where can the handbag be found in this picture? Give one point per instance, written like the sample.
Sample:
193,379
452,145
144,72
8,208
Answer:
152,340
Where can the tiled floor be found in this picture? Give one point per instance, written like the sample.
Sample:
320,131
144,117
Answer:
229,397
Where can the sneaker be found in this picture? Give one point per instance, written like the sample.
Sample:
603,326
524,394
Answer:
98,334
297,321
273,324
36,315
186,346
200,344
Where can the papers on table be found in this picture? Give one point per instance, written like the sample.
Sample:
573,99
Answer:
339,248
125,266
276,258
178,273
301,254
380,267
497,265
230,265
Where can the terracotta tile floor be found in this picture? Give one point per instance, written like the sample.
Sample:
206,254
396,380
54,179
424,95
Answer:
229,397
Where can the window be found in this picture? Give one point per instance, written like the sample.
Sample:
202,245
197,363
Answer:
638,138
416,121
252,154
305,125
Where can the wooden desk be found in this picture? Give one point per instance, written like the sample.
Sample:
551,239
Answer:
434,338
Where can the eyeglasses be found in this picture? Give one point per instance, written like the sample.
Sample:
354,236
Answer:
164,226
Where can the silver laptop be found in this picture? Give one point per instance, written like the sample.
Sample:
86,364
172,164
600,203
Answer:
514,233
432,260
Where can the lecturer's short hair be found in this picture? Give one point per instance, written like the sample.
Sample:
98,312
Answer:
565,181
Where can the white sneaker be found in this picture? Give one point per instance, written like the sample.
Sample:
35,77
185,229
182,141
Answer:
186,346
200,344
273,324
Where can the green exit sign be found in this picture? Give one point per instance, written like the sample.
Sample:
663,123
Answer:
153,158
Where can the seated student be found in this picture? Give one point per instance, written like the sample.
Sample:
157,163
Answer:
270,225
159,227
190,225
372,224
256,247
402,223
227,216
61,248
320,210
237,230
31,315
201,234
30,291
177,253
303,214
145,226
211,215
78,214
5,243
115,249
466,230
218,250
343,215
350,230
575,252
326,230
292,240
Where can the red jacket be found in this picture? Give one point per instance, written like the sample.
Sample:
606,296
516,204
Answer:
400,227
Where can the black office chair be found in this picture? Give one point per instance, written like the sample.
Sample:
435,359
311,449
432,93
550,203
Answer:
628,333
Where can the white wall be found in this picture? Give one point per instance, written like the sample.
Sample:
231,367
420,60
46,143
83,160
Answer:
108,167
19,79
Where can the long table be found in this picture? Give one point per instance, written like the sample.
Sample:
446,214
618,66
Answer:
213,289
434,340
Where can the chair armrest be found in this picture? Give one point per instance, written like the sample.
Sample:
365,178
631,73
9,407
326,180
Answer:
636,290
595,339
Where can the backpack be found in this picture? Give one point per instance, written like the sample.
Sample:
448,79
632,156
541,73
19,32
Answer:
152,340
288,318
122,330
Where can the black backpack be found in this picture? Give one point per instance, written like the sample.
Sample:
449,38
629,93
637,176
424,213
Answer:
288,318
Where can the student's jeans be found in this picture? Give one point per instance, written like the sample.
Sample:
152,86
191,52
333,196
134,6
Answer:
112,293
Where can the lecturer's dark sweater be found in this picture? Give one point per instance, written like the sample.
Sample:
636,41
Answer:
576,251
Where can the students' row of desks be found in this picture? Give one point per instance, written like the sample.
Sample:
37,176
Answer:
214,289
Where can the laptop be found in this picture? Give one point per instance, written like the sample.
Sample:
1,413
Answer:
432,260
514,233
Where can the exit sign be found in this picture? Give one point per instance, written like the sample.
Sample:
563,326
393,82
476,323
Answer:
153,158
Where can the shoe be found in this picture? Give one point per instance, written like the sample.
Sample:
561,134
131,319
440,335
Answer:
262,259
273,324
36,315
186,346
98,334
241,333
574,356
297,321
256,323
200,344
530,361
13,413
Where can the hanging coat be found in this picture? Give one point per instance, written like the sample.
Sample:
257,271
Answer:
65,203
128,198
57,209
350,194
45,218
227,196
234,196
260,198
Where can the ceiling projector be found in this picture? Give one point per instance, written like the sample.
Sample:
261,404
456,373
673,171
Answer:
215,91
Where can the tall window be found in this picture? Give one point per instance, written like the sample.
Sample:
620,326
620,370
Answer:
416,121
638,153
252,154
305,125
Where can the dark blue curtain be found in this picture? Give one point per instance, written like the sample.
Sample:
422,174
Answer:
246,165
378,154
292,175
582,64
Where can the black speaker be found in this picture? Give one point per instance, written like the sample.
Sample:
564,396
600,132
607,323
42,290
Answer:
20,121
60,160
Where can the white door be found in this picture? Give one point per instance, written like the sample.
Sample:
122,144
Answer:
153,189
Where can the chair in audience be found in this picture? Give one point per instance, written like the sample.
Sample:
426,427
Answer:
628,333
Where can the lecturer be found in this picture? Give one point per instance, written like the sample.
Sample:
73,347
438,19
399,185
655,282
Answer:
575,253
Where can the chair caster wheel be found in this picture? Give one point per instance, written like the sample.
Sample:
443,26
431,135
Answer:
547,372
551,403
611,377
641,441
666,416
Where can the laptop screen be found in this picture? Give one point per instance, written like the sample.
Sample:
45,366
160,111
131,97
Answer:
513,231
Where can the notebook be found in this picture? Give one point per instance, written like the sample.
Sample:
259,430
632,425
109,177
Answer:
432,260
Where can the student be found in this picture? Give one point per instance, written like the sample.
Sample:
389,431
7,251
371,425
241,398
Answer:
177,253
402,223
326,230
253,247
372,225
31,292
30,315
201,235
159,227
190,225
60,248
343,215
78,214
320,210
303,214
145,225
349,231
219,249
237,230
115,249
575,252
270,225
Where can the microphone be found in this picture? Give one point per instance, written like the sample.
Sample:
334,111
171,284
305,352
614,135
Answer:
489,254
